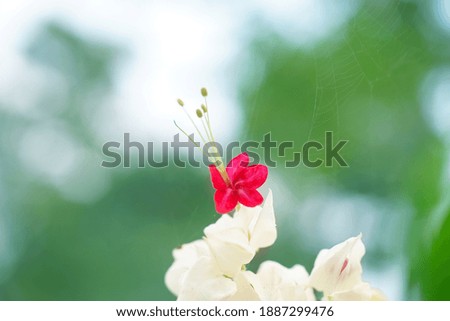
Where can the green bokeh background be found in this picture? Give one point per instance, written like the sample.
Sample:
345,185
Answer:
364,82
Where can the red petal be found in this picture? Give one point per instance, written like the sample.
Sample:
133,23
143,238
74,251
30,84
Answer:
216,178
249,197
251,177
226,200
236,165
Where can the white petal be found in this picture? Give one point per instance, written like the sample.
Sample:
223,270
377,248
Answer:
230,256
339,268
264,232
229,244
185,257
205,282
246,216
281,283
235,240
360,292
247,284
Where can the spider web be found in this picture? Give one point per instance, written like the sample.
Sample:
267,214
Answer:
363,69
346,73
366,85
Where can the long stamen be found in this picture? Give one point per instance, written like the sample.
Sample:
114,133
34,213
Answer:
181,103
219,162
204,93
200,115
208,123
190,138
216,159
186,134
203,114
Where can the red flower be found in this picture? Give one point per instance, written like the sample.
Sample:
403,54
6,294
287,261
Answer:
242,184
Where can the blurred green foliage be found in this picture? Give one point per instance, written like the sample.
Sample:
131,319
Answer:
365,89
363,84
432,268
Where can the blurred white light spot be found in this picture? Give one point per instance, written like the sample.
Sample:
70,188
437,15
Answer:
308,21
51,154
436,101
174,48
23,84
338,217
442,13
390,278
87,182
48,151
330,218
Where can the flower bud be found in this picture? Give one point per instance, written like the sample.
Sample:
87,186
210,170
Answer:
204,92
180,102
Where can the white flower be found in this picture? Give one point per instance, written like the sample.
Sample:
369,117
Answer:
204,281
247,287
185,258
279,283
337,273
361,292
195,275
234,241
339,268
212,268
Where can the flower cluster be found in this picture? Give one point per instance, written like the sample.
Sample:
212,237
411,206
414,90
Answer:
214,268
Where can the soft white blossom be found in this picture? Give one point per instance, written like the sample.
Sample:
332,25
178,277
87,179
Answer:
235,240
247,287
337,272
279,283
184,259
204,281
360,292
339,268
195,274
214,268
